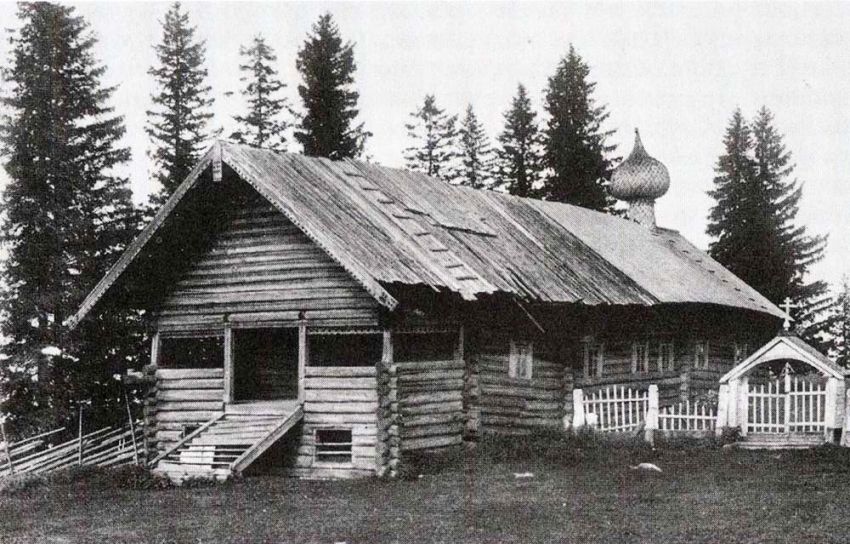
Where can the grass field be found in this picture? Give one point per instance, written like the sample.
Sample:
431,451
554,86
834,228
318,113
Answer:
581,492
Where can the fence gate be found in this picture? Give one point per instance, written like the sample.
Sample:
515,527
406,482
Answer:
787,405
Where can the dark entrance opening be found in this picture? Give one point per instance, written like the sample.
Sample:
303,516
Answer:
265,364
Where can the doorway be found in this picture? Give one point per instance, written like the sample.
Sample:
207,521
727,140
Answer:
265,364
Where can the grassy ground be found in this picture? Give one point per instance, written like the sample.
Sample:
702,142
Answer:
580,492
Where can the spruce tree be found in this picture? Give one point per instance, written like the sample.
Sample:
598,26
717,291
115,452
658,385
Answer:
262,125
838,329
519,160
67,216
753,220
177,123
474,153
576,152
327,67
433,134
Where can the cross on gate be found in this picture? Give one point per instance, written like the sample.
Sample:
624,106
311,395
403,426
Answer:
788,305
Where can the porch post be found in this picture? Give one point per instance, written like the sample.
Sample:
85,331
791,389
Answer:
228,364
732,404
578,409
302,358
651,415
722,420
831,408
743,404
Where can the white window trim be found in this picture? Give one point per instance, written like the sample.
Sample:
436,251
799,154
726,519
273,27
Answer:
701,362
667,348
519,352
640,364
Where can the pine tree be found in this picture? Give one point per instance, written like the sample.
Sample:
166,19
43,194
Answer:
753,220
519,156
261,126
327,67
67,216
576,151
177,123
433,134
474,153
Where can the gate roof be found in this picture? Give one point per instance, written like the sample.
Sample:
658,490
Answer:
784,347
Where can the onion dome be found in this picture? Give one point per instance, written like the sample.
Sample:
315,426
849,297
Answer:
639,177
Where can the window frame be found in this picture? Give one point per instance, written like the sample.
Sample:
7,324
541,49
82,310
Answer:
666,348
594,358
701,355
316,446
640,361
521,359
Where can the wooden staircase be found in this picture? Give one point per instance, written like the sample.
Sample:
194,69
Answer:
781,441
227,444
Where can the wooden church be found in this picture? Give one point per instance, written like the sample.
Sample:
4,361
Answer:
336,314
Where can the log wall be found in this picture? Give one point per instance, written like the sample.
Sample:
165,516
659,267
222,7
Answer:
430,404
519,406
339,398
186,396
261,267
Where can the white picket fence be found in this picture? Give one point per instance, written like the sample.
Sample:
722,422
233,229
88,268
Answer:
687,416
622,409
613,409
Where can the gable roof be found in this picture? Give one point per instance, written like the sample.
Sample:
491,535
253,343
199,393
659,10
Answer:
786,346
389,227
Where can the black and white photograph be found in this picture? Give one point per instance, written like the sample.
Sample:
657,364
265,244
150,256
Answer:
461,272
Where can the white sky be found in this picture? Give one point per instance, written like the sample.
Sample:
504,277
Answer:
675,70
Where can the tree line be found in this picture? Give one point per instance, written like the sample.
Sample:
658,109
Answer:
67,215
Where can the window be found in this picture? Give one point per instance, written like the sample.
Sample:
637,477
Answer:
333,445
742,351
437,346
640,357
520,360
701,355
193,352
594,358
666,357
188,429
345,349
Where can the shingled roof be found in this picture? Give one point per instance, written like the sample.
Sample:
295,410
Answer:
389,227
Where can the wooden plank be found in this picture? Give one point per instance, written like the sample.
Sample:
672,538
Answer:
430,442
340,371
184,373
229,375
213,383
341,395
341,407
338,419
429,398
189,394
188,406
190,417
341,383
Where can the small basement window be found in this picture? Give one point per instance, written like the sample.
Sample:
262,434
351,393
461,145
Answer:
333,445
345,349
191,352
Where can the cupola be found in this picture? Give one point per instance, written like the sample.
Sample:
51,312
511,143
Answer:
640,180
